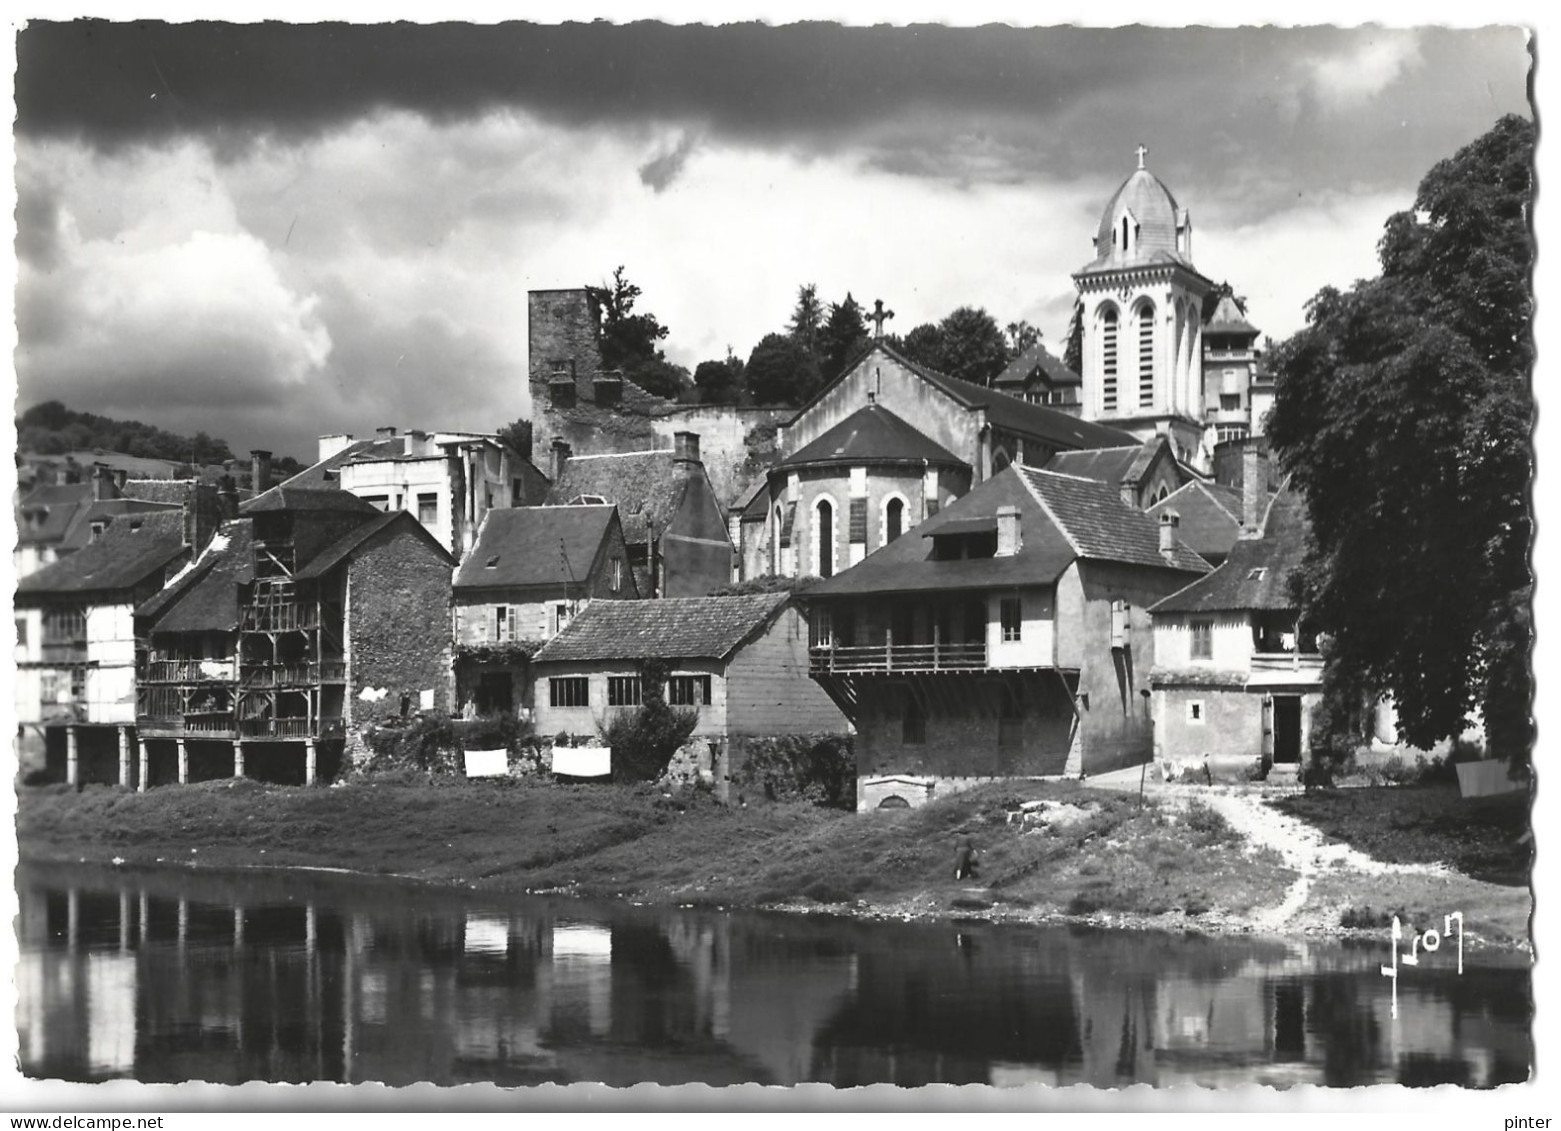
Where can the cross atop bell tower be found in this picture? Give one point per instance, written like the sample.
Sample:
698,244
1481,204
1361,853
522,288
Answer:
878,317
1142,151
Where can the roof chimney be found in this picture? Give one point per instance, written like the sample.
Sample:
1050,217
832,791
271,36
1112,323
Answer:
333,443
1170,536
259,470
561,454
121,477
387,432
685,448
1009,539
102,482
1252,489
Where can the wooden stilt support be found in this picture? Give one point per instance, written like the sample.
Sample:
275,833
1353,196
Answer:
124,756
145,765
184,762
72,762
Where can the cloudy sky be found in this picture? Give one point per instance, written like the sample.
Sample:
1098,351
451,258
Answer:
272,231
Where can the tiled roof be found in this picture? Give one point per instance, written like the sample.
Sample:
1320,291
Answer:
906,564
107,510
872,434
284,497
1108,465
338,551
1210,515
204,597
1228,317
1036,359
1101,526
673,628
57,507
174,491
519,547
645,485
126,554
326,471
755,505
1256,574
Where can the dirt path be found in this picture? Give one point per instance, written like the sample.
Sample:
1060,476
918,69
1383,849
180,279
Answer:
1303,847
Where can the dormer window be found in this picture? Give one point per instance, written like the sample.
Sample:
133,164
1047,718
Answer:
492,563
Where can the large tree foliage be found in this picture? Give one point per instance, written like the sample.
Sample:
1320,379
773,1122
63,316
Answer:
844,333
1073,352
966,344
781,372
1405,412
629,341
807,319
720,382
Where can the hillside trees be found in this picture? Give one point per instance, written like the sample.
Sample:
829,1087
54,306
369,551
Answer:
1405,412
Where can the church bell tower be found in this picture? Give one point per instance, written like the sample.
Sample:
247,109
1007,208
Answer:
1143,319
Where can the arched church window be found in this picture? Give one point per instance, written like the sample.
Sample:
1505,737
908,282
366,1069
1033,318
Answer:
824,536
775,544
1000,461
894,521
1162,494
1108,359
1145,315
1124,233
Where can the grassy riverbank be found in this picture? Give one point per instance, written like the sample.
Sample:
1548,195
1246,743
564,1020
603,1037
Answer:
1082,852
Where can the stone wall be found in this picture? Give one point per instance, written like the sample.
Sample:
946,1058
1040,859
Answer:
398,627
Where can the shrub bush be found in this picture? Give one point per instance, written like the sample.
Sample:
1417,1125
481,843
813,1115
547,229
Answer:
644,741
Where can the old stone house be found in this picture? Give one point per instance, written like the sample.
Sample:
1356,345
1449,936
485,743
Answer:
1008,637
533,570
448,480
74,678
740,661
1237,671
672,521
310,618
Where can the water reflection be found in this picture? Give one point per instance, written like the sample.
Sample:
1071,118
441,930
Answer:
164,977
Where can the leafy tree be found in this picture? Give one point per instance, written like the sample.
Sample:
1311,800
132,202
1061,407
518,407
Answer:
517,436
807,317
844,333
973,347
923,345
1021,336
780,372
720,382
1073,352
1405,412
629,341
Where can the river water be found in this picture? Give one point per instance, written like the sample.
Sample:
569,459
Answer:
170,976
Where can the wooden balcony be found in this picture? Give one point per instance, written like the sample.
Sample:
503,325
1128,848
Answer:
188,671
278,617
1287,662
952,657
293,675
191,724
276,728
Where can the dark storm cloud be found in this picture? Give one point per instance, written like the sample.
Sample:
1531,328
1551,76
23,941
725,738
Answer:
1057,101
663,169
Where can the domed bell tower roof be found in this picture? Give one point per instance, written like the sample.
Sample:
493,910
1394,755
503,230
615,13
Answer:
1142,225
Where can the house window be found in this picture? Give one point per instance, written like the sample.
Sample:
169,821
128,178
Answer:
1011,611
824,537
569,691
617,574
823,628
378,502
689,691
428,509
1230,402
1202,640
505,626
623,691
913,724
560,618
98,526
1195,712
894,520
64,626
21,631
